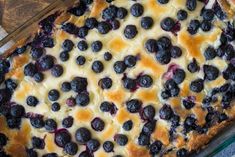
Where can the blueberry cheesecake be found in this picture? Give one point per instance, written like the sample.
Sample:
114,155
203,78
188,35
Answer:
115,78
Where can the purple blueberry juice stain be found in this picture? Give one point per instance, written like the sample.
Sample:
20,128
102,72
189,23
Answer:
176,28
171,69
32,115
71,102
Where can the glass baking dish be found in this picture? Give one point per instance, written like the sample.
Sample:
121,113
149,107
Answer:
217,144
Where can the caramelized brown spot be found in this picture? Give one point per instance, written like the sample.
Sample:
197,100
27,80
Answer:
117,45
147,95
156,8
122,115
97,8
109,132
134,150
146,61
161,133
117,96
179,142
200,114
23,91
194,43
83,115
50,144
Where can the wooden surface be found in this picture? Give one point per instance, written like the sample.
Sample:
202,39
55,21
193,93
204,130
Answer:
13,13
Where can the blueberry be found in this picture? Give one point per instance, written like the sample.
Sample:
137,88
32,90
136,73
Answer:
206,26
167,24
82,135
67,122
71,148
115,24
191,5
163,57
146,22
121,139
30,70
145,81
182,153
175,51
226,100
55,107
37,122
69,28
31,153
65,86
193,66
4,110
182,15
97,66
190,123
151,45
17,111
172,87
71,102
163,43
222,117
107,56
36,53
143,139
207,14
11,84
119,67
155,147
179,76
104,27
78,10
46,62
109,13
121,13
62,138
85,154
210,53
82,45
13,123
105,83
219,12
188,104
64,56
57,70
175,120
3,139
166,112
130,61
48,42
149,127
20,50
53,95
211,72
32,101
50,155
96,46
38,143
127,125
149,112
82,32
67,45
193,26
105,106
108,146
80,60
93,145
229,52
87,2
130,31
97,124
197,85
133,105
50,124
91,23
79,84
129,83
163,1
137,10
82,99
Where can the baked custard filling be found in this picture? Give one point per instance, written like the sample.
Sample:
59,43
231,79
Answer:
120,78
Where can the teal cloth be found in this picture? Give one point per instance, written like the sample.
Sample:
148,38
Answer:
227,152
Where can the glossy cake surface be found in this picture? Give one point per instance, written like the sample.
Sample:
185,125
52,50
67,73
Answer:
120,78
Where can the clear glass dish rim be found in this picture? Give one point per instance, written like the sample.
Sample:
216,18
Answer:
217,144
